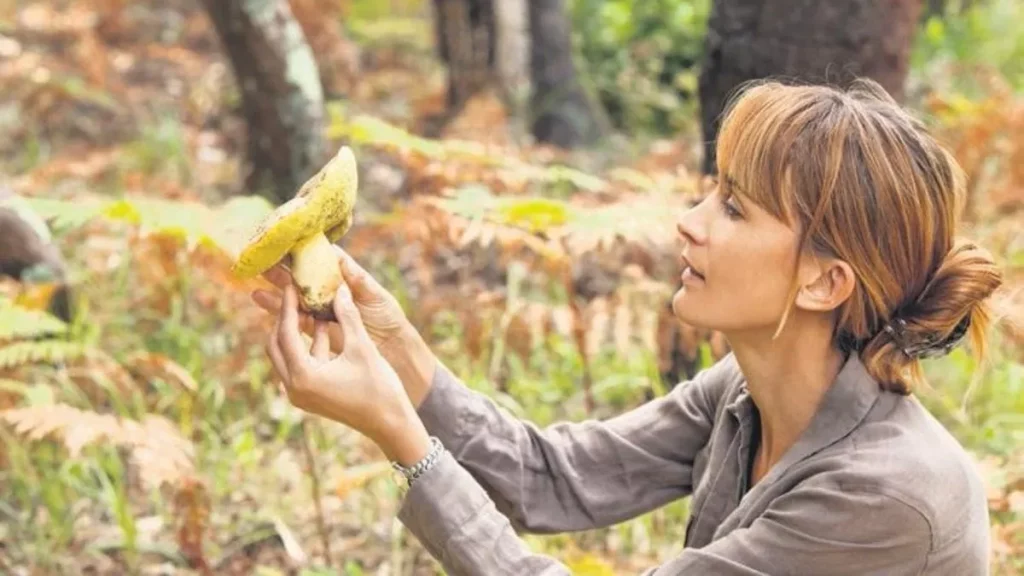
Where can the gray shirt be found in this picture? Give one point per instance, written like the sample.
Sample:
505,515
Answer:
875,485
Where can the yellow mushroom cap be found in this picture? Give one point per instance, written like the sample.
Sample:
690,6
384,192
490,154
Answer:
323,205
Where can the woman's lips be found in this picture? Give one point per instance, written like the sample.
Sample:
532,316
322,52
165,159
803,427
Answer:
689,272
691,275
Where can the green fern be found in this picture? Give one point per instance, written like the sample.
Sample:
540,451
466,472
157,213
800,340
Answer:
364,129
226,226
643,219
66,214
537,214
45,351
18,323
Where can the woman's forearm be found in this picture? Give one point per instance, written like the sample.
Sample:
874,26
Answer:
413,361
568,476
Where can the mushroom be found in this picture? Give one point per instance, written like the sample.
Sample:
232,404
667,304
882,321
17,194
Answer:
305,227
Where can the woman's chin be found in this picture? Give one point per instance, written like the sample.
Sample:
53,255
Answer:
689,309
683,308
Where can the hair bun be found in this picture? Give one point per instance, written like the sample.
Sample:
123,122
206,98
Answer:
963,282
952,305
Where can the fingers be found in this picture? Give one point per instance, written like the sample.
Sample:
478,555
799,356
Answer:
267,300
348,316
274,352
289,338
360,282
321,348
271,302
278,275
336,337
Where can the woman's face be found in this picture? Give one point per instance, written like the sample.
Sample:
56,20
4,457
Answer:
737,265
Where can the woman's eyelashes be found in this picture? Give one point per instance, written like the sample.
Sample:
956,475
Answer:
730,209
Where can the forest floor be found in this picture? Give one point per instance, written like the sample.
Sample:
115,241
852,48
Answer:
550,306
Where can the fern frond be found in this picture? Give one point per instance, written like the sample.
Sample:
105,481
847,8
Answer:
18,323
66,214
226,226
374,131
642,219
160,451
46,351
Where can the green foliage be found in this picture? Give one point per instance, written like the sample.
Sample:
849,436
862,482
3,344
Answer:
17,323
643,58
971,35
162,148
372,131
581,228
532,213
47,351
982,405
224,226
32,337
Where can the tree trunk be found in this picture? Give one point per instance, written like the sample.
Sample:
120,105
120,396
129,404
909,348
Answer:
337,57
282,96
806,40
466,44
562,113
512,54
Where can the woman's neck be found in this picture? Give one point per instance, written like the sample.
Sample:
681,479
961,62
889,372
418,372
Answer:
787,379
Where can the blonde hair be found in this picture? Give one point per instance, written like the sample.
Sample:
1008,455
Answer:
864,181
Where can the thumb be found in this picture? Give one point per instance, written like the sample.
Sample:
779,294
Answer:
363,286
348,316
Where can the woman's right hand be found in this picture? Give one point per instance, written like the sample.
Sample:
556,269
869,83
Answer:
394,336
382,315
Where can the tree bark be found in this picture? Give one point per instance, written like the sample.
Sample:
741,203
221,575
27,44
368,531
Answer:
562,113
282,96
466,39
512,53
805,40
337,57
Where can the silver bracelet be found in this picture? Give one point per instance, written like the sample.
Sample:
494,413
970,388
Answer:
420,468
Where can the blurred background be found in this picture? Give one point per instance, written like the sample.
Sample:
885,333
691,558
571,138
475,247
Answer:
521,166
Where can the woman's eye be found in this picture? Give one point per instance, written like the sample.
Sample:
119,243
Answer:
731,211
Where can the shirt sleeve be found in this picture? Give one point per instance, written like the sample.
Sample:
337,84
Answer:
575,475
808,531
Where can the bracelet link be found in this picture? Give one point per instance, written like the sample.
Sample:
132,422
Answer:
420,468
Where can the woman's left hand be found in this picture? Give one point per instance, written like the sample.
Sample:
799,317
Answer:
357,387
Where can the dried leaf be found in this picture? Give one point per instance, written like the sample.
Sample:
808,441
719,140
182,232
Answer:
357,476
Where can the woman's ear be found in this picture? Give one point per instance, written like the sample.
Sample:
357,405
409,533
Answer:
825,284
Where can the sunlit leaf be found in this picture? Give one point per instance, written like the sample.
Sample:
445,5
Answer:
17,322
534,214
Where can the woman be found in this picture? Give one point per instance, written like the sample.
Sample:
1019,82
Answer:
826,255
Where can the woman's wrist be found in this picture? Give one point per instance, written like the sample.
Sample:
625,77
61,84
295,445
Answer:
413,361
407,443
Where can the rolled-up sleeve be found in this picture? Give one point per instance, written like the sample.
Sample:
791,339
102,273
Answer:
812,530
457,522
575,475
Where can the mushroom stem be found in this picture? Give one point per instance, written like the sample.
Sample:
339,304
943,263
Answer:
316,273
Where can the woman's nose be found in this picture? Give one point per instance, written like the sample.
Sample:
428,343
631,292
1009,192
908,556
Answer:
690,225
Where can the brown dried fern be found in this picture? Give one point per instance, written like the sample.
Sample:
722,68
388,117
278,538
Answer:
163,456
